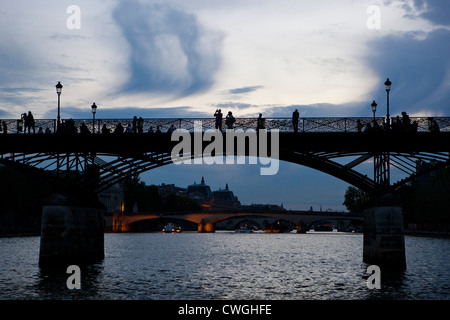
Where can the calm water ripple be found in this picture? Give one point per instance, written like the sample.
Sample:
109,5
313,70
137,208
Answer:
226,265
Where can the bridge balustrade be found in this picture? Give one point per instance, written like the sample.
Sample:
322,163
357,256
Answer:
314,125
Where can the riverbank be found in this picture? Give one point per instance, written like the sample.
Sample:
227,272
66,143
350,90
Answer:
428,230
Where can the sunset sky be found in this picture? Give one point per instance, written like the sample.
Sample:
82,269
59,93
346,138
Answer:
186,58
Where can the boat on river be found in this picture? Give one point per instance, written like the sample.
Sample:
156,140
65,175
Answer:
276,228
244,229
172,228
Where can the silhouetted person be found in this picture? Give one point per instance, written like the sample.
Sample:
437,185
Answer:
229,120
30,123
434,127
150,130
48,131
261,122
140,125
40,131
84,129
129,129
70,127
171,129
295,116
406,122
134,124
119,129
405,119
368,127
158,130
397,125
105,129
218,115
359,125
21,122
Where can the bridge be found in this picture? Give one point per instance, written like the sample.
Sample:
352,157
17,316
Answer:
324,144
206,221
101,153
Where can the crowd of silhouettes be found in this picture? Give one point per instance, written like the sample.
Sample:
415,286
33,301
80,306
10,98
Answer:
398,124
27,124
404,124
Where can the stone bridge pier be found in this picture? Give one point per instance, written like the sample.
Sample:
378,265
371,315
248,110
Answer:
384,240
71,235
206,227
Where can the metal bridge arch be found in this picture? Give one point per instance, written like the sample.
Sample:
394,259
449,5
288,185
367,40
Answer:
120,167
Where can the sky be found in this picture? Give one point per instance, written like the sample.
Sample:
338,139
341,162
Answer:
178,58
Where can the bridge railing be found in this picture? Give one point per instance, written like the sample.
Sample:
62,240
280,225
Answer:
318,124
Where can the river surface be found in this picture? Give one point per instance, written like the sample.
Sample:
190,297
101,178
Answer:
226,265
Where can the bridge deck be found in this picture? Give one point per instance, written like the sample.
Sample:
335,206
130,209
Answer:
139,143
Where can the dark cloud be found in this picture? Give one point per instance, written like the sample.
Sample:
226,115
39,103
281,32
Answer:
233,105
436,11
130,112
170,52
418,68
244,90
320,110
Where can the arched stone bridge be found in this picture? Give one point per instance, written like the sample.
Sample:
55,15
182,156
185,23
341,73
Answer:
206,220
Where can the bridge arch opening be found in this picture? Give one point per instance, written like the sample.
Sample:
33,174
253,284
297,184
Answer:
157,224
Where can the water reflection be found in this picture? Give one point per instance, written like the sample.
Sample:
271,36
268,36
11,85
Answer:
52,283
228,266
392,285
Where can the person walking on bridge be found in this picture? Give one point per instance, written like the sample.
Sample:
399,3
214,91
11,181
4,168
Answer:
30,123
218,115
295,116
261,123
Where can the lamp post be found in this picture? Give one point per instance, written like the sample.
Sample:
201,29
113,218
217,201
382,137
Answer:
374,109
94,110
388,88
59,87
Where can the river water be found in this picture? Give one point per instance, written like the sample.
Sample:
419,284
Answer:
226,265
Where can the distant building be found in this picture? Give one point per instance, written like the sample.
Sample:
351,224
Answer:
264,207
113,199
166,190
201,193
224,199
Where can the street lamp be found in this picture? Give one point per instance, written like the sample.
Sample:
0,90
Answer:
59,87
388,88
94,110
374,109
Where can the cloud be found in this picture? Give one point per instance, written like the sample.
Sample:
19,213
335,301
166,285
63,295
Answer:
129,112
435,11
419,71
244,90
170,52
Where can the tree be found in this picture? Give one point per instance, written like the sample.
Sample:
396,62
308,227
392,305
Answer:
356,200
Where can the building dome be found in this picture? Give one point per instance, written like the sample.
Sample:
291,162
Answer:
199,191
224,199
